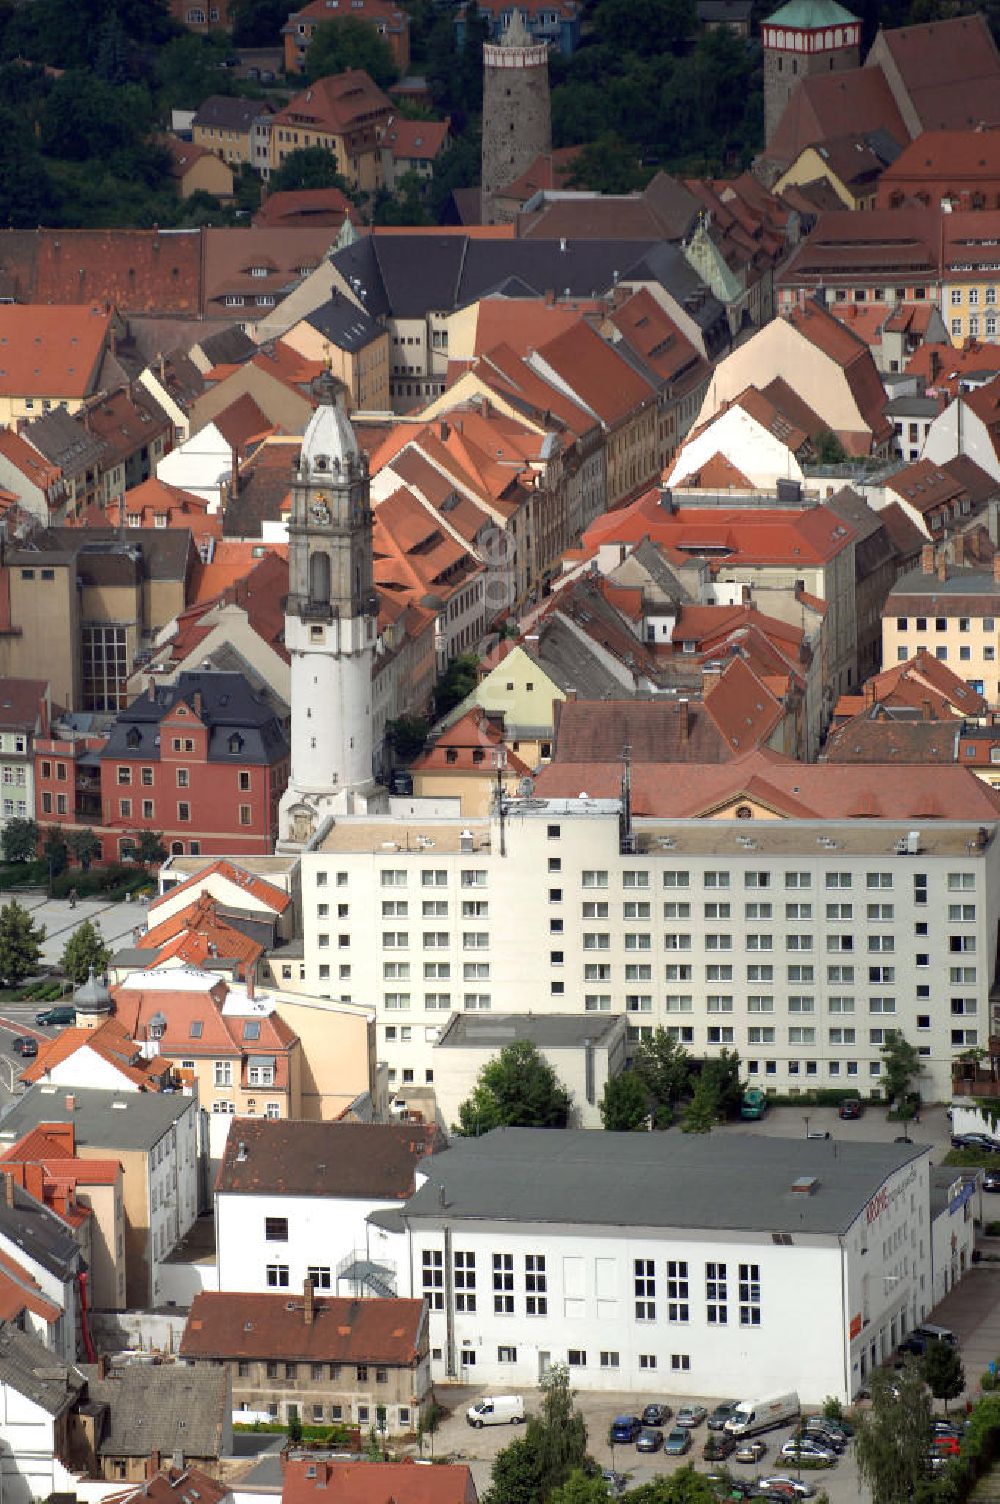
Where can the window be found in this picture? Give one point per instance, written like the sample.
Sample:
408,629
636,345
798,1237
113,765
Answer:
321,1278
645,1289
749,1295
105,661
716,879
677,880
576,1357
503,1284
465,1283
680,1362
506,1354
277,1276
276,1229
183,812
433,1278
535,1285
716,1310
677,1290
223,1073
647,1360
610,1360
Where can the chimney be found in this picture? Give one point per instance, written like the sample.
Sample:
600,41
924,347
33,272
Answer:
70,1102
153,1461
942,567
102,1373
870,692
927,558
958,552
935,366
683,710
8,1188
925,710
996,568
251,985
308,1302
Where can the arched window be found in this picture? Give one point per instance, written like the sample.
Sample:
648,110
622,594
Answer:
319,579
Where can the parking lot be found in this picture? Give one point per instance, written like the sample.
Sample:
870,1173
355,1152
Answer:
478,1448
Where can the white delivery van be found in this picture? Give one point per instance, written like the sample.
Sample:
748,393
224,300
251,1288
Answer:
753,1416
496,1410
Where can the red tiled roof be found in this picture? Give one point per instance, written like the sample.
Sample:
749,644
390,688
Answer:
417,140
249,1326
822,103
456,748
27,459
138,271
337,105
259,888
176,1485
51,352
197,934
949,70
313,206
599,376
377,1161
549,170
746,535
376,1482
112,1043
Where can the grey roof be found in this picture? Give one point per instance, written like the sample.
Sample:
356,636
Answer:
93,995
232,112
343,324
574,664
549,1031
40,1234
31,1368
153,553
242,725
63,441
960,582
914,406
852,508
649,558
165,1408
101,1119
702,1181
230,346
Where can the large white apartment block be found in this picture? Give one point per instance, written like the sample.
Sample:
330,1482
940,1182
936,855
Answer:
798,942
672,1263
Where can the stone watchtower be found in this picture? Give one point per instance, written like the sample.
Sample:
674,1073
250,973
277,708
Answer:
516,122
801,39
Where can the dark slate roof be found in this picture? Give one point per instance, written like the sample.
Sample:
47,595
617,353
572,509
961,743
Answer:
101,1118
166,1408
230,346
229,707
283,1156
40,1234
231,112
665,264
153,553
343,324
673,1179
32,1369
557,1031
574,663
63,441
404,276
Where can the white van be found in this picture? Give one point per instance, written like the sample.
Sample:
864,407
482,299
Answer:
496,1410
753,1416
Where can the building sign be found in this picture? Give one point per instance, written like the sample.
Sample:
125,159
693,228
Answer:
886,1197
855,1326
964,1195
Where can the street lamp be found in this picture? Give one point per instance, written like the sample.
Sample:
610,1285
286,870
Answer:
806,1118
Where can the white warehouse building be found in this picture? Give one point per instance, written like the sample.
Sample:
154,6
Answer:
670,1263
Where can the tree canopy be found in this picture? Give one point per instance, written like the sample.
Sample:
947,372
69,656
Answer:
665,1068
943,1372
516,1089
624,1106
20,943
350,43
308,167
19,839
84,949
893,1438
551,1451
900,1066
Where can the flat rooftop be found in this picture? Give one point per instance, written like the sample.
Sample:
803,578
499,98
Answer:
272,868
125,1120
415,837
745,1181
549,1031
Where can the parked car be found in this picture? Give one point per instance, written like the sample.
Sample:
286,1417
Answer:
991,1180
24,1045
677,1442
750,1451
625,1428
975,1141
61,1014
949,1428
649,1439
947,1446
691,1415
850,1109
616,1483
803,1449
718,1417
718,1445
655,1415
827,1423
920,1339
797,1487
821,1437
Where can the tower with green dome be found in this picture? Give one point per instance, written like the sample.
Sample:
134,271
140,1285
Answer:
801,39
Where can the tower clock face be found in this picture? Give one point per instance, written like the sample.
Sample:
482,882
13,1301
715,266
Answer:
319,511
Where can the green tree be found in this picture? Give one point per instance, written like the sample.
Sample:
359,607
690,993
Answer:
829,449
84,949
85,117
645,26
350,43
704,1109
85,846
900,1065
581,1487
624,1107
149,848
28,195
516,1089
607,165
407,206
552,1449
682,1487
722,1072
294,1425
664,1067
515,1477
55,851
458,680
892,1439
943,1372
20,840
258,23
458,167
20,943
308,167
407,736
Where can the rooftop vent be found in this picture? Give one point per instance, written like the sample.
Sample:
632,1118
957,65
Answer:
805,1185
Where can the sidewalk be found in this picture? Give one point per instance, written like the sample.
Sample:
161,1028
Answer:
116,921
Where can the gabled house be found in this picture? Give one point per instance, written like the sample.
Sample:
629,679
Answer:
102,1054
38,1397
52,357
349,115
390,21
38,485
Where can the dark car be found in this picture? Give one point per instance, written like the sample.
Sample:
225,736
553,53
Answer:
723,1410
822,1437
650,1439
625,1428
976,1141
718,1445
991,1180
60,1014
678,1442
850,1108
655,1415
24,1045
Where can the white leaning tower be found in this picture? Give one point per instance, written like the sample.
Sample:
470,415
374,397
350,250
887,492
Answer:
331,618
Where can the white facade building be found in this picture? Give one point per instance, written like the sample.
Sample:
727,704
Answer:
798,942
668,1262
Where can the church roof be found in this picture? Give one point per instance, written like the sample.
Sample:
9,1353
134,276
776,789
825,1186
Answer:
805,15
329,439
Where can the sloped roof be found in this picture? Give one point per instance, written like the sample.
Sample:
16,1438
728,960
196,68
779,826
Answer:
949,68
33,1370
376,1161
376,1482
272,897
165,1408
733,534
823,102
258,1326
337,104
109,1041
51,352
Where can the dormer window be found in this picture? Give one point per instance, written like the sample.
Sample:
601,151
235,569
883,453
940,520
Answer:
133,737
258,271
236,742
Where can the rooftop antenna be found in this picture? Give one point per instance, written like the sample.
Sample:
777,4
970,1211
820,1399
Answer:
499,763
